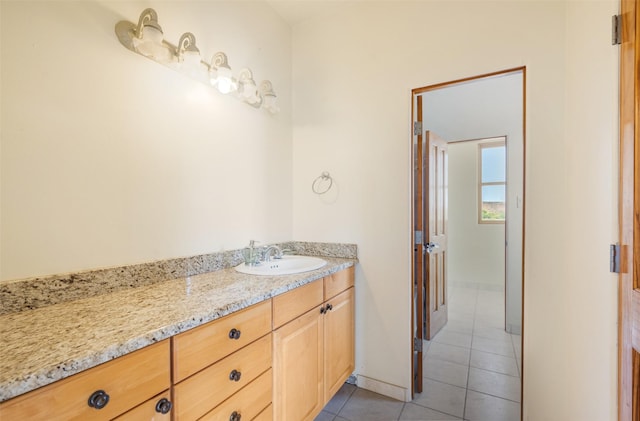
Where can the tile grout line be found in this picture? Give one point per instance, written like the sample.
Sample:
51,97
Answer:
495,396
404,404
345,403
473,325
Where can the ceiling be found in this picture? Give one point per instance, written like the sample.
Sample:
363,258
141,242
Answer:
476,109
296,11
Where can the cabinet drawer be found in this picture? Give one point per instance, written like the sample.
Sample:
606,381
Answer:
202,346
298,301
150,410
265,415
206,389
247,403
336,283
128,381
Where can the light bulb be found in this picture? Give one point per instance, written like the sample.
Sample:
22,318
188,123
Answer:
225,85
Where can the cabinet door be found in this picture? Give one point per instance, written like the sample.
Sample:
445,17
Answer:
338,342
298,393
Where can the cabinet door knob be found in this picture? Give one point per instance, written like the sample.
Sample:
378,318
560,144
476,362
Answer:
235,375
163,406
322,310
234,334
329,307
98,399
235,416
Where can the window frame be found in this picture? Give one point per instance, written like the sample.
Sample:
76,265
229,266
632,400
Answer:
491,143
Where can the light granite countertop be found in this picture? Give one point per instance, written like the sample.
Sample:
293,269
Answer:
40,346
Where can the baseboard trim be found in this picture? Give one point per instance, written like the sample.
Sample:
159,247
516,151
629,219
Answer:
391,390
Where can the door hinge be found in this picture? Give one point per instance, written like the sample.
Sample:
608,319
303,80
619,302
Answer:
417,345
418,237
616,30
417,128
614,258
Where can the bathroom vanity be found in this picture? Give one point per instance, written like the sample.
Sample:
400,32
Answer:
219,345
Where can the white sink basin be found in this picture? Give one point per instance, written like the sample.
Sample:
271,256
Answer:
286,266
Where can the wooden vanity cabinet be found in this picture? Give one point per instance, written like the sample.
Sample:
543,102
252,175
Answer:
265,415
247,404
298,392
218,366
157,408
281,359
113,388
339,342
314,350
202,346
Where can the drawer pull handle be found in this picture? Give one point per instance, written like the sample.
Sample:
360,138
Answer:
98,399
164,406
234,334
235,416
235,375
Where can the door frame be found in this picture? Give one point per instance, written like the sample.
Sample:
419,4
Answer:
629,203
414,93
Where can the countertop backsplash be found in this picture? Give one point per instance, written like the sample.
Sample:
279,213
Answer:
32,293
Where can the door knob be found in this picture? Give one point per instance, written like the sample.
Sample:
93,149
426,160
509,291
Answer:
429,247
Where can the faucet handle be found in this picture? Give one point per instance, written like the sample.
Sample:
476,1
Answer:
282,253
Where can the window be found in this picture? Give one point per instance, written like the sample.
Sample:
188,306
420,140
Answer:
492,182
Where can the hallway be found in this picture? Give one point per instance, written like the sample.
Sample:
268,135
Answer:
472,370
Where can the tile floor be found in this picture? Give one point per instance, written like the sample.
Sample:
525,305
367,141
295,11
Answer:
471,371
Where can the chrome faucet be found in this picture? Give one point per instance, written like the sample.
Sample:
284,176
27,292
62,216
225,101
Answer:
251,254
277,253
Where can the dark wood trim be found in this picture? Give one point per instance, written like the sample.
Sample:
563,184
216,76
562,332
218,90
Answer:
524,219
417,223
466,79
627,370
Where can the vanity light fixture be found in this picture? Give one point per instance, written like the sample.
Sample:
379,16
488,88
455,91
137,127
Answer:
148,36
269,97
147,39
248,88
221,75
188,56
187,50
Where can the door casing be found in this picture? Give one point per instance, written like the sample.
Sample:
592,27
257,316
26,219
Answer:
414,113
629,206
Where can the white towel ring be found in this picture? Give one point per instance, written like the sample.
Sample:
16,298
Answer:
317,187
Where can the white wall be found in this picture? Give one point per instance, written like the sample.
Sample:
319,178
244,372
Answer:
352,79
109,158
476,253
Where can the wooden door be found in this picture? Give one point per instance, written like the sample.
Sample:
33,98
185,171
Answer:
298,393
629,285
436,234
418,267
338,342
